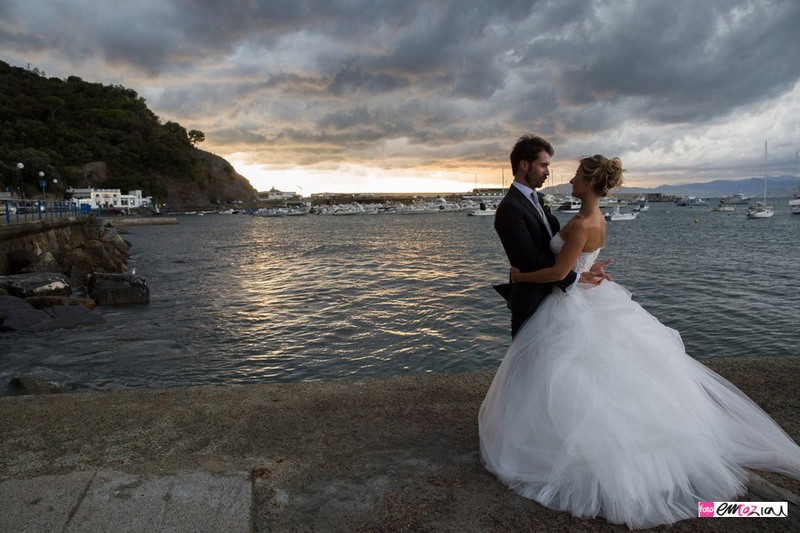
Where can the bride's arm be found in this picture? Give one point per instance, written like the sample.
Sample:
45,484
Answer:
567,257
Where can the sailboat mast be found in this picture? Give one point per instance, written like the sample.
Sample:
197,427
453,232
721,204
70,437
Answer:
765,172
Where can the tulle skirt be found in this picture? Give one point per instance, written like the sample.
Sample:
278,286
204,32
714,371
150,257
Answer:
597,410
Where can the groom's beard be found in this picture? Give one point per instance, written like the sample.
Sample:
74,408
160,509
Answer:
532,181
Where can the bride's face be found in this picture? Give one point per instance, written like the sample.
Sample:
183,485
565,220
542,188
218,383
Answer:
579,185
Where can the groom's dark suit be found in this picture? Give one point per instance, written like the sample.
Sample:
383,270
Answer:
527,245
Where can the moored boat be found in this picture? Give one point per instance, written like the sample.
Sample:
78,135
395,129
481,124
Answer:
736,199
570,205
761,209
616,215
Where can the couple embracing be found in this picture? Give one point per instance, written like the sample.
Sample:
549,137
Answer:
596,409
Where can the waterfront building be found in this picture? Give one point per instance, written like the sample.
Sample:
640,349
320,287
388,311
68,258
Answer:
108,199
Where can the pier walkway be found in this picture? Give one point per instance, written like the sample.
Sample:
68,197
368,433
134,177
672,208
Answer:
396,454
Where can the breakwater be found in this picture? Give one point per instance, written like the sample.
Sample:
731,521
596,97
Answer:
22,244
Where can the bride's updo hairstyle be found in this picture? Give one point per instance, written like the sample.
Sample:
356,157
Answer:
601,172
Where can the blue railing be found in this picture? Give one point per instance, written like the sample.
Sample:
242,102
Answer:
21,211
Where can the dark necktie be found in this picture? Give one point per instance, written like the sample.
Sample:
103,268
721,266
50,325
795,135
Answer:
538,206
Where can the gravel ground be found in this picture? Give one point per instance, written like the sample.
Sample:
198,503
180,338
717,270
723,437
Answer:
398,454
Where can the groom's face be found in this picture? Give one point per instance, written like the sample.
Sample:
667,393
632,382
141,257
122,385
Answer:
536,171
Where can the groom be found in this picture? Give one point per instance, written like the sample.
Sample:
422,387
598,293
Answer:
525,228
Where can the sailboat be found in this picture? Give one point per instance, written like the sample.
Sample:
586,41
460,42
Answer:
794,203
761,209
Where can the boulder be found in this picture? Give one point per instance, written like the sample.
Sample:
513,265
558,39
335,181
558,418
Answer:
44,262
32,385
17,314
119,243
36,284
21,259
46,302
70,316
102,256
118,289
79,264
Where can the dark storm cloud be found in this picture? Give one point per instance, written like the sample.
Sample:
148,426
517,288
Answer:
444,76
687,62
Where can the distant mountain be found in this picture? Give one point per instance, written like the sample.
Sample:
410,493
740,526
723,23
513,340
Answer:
779,186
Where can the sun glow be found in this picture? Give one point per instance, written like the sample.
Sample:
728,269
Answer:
358,179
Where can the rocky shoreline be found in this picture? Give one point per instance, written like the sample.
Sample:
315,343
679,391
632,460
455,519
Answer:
53,276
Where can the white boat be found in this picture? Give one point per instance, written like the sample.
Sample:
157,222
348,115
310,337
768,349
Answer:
479,213
795,205
690,201
348,209
724,208
482,211
736,199
616,215
642,205
570,205
761,209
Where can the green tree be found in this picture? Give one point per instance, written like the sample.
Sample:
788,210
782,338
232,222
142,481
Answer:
196,136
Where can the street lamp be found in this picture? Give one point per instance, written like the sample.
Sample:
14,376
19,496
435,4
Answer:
43,185
20,166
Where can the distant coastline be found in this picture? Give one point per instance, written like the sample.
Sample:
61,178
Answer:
777,187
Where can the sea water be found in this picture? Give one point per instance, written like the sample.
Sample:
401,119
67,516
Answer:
245,299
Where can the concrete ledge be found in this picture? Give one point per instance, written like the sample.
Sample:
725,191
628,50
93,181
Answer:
397,454
121,222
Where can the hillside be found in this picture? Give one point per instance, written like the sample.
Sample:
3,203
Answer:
91,135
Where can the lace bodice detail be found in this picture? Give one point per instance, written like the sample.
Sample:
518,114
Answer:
585,260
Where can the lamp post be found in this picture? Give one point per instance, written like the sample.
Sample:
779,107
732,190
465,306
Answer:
42,184
55,193
20,166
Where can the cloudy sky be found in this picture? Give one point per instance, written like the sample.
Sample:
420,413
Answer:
413,95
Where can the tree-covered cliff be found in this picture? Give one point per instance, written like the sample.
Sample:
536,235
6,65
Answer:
91,135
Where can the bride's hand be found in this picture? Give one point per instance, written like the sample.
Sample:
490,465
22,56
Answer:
514,274
597,269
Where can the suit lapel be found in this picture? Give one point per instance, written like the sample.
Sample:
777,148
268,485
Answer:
529,205
526,202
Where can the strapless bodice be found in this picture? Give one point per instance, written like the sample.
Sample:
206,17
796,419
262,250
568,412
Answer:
585,260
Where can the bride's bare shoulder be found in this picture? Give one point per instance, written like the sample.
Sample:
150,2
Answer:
589,229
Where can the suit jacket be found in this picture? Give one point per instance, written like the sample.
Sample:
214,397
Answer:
527,244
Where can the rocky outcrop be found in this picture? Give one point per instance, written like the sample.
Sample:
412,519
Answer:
46,269
75,248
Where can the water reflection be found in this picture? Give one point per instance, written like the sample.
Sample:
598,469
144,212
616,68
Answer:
243,299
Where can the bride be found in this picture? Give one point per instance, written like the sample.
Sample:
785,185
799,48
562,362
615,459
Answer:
597,409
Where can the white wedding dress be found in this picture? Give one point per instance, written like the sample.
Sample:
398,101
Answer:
597,410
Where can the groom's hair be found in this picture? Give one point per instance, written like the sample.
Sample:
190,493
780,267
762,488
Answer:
528,148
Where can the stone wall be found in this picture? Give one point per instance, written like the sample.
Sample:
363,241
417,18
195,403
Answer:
73,246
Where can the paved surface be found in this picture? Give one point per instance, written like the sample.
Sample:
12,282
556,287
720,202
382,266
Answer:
106,500
399,454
